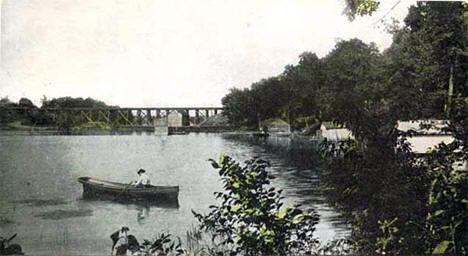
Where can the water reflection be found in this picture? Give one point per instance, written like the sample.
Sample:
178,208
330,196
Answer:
170,204
296,163
143,212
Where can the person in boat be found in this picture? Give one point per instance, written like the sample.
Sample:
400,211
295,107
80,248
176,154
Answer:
143,179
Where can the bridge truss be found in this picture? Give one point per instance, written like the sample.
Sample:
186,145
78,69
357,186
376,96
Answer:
125,117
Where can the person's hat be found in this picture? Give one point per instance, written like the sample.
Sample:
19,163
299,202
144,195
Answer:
140,171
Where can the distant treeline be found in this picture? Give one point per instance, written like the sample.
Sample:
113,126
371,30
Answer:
27,113
419,76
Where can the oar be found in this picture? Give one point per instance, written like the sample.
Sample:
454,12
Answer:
11,238
123,191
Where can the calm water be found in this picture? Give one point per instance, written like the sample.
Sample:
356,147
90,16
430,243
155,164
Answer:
41,199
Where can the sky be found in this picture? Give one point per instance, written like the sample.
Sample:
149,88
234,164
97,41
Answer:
167,53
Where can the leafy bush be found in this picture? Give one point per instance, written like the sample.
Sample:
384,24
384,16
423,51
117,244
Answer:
251,218
446,221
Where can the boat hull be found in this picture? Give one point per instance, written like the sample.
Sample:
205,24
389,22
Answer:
96,188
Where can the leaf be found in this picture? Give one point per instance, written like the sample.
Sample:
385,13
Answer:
441,247
235,208
281,213
439,212
298,219
214,163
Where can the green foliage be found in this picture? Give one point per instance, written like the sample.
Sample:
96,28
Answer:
301,84
426,54
70,102
239,107
252,217
389,233
360,7
336,87
66,121
288,96
447,217
352,81
11,112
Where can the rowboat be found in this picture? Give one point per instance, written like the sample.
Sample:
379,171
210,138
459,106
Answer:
97,188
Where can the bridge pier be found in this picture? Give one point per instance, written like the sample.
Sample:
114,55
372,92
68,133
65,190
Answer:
149,118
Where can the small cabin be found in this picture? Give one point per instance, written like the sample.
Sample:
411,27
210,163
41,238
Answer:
277,126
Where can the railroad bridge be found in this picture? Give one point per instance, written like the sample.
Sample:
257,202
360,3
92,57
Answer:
128,117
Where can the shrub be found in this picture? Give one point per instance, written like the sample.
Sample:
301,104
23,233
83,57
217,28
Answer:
162,245
251,218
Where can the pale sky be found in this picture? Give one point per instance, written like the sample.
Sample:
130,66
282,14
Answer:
166,52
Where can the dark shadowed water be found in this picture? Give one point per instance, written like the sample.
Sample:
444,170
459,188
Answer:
41,198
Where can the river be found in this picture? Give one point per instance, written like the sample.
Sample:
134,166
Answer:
42,200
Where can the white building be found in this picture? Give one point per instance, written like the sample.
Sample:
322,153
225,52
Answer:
332,133
425,139
427,135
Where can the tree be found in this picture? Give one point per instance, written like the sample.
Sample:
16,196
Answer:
239,107
428,59
70,102
26,103
268,95
352,82
302,83
289,95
